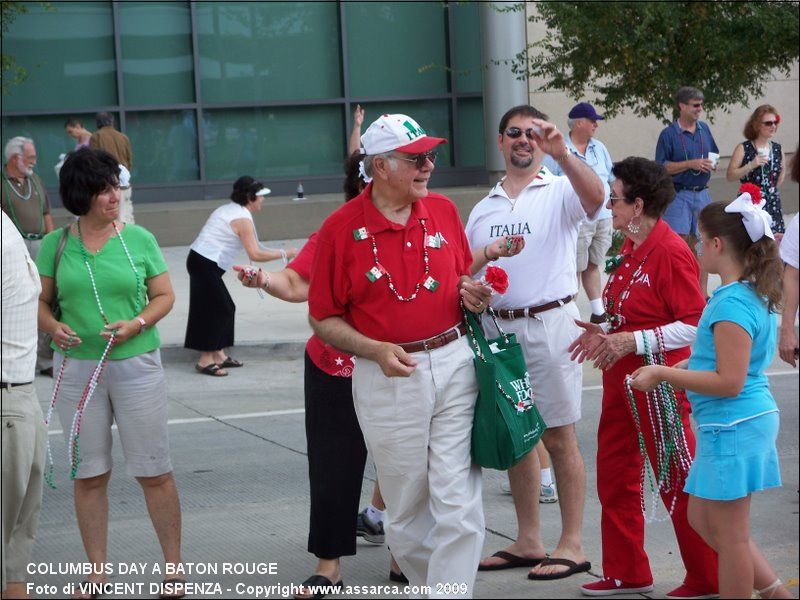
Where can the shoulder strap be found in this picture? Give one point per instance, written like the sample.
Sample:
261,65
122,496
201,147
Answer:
62,241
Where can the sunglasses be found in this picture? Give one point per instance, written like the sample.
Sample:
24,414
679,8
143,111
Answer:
421,158
770,123
515,132
696,104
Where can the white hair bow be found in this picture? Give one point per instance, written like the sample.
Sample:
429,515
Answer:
756,220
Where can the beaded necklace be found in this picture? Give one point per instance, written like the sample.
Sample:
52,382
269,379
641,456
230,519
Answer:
613,305
426,271
673,459
91,385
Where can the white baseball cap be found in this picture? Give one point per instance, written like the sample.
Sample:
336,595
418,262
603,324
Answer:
397,132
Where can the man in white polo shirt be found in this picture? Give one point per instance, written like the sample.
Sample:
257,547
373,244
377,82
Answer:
547,212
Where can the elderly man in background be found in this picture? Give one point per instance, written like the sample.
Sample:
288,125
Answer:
24,433
390,268
594,239
24,200
119,146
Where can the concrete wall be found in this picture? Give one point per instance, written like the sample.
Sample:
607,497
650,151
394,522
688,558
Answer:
629,135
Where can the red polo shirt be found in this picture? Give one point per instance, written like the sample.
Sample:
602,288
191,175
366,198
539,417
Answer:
340,286
667,288
328,359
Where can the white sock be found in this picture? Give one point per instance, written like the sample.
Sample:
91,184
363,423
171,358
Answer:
597,306
547,477
374,514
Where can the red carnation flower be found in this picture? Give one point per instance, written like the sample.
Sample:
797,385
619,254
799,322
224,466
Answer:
497,279
753,190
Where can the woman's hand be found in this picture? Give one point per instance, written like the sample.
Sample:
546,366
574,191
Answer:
587,342
291,253
614,347
508,245
645,379
250,277
63,336
125,330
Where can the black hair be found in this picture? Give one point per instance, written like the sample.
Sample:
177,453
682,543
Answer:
353,183
102,119
73,122
645,179
244,190
525,110
85,174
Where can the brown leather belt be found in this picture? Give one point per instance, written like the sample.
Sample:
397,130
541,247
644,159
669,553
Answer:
437,341
518,313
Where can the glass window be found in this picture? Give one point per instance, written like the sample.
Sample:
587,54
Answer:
389,42
432,115
467,46
471,137
156,52
49,137
164,146
68,51
274,142
251,51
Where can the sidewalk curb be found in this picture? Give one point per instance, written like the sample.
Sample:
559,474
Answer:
281,349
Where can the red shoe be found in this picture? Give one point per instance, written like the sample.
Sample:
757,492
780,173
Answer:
684,591
609,587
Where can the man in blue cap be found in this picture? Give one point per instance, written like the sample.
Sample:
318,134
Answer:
683,148
594,238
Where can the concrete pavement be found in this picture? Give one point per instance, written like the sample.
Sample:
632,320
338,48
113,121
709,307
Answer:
238,448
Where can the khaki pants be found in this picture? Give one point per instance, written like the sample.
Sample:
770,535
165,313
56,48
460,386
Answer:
24,442
44,353
418,430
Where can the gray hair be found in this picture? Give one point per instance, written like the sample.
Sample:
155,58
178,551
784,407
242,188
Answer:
370,158
570,123
686,93
16,145
102,119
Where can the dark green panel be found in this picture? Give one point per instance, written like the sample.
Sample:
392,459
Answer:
252,51
432,115
164,146
467,46
274,142
471,137
68,52
48,136
388,44
156,52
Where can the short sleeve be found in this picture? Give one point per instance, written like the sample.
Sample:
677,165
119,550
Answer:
662,147
329,286
736,311
47,253
681,289
573,209
304,261
466,249
789,243
713,142
154,262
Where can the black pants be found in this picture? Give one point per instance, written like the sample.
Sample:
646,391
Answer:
336,458
211,308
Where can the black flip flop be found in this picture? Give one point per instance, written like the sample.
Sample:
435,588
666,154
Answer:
572,569
512,562
213,370
317,583
231,363
397,576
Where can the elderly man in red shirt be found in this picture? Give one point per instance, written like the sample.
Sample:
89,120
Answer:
390,268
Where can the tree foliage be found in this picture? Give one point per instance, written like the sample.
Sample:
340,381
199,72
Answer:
635,55
12,72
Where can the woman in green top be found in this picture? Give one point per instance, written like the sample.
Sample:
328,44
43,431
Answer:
112,286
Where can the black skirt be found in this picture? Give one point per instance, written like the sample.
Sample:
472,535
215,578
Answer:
211,308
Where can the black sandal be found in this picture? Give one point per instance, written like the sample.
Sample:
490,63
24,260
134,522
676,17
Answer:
214,370
231,363
315,586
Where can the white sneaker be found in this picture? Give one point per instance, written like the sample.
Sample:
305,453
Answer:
548,494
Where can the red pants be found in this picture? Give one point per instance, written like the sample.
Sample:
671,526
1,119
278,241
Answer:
619,465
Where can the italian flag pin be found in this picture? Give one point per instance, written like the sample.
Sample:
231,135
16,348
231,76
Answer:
434,241
374,273
360,234
430,284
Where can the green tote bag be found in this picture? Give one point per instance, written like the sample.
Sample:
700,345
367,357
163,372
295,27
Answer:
507,424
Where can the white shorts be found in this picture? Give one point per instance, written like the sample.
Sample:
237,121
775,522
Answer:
556,380
131,392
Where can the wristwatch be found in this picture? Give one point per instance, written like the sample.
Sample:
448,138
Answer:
143,324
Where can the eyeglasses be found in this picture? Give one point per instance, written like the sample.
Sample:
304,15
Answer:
613,199
421,158
770,123
515,132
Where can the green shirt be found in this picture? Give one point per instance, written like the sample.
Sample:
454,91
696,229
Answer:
116,286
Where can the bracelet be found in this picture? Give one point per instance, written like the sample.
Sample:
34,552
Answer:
486,254
283,255
267,282
564,156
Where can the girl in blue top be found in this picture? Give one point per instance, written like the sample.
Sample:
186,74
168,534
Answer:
736,415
